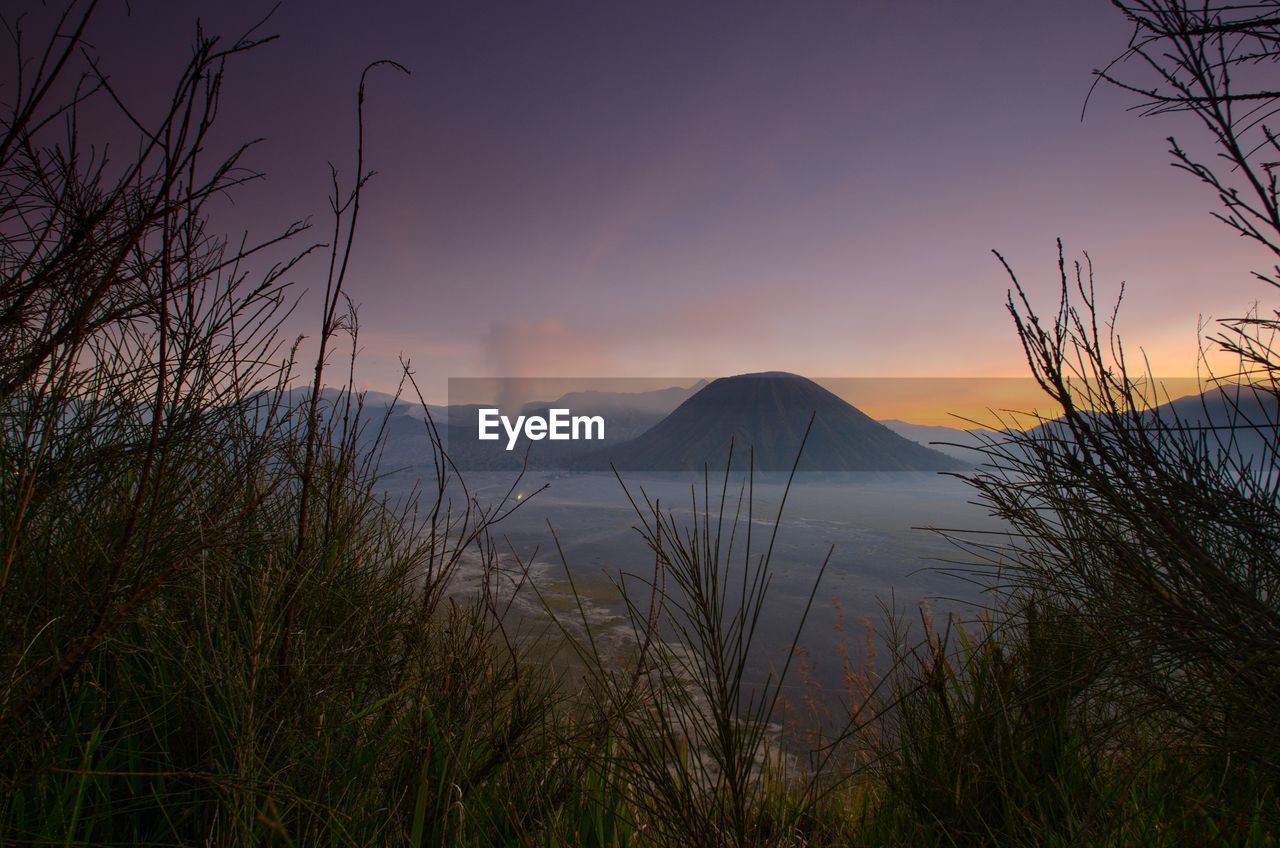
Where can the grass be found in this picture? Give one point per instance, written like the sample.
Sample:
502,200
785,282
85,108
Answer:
409,718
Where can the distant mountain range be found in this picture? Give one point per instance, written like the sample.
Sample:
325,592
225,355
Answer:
674,428
682,428
1234,423
629,413
1230,420
1240,420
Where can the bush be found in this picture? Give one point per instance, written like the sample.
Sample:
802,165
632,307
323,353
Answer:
212,629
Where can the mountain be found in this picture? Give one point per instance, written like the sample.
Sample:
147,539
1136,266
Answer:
1233,419
952,441
770,411
626,414
469,454
1235,424
375,404
629,413
592,402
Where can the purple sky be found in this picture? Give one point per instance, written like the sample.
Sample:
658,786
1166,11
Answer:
636,188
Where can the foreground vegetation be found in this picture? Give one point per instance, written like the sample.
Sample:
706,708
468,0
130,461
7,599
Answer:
214,630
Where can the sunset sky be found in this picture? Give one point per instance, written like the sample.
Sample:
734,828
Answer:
617,188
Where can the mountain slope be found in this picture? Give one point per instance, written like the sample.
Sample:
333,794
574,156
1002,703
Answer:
629,413
769,412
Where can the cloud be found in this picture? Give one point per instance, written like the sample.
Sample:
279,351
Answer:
708,329
546,347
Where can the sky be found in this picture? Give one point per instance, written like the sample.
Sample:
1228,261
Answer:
607,188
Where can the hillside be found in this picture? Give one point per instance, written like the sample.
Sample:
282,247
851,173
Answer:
769,412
